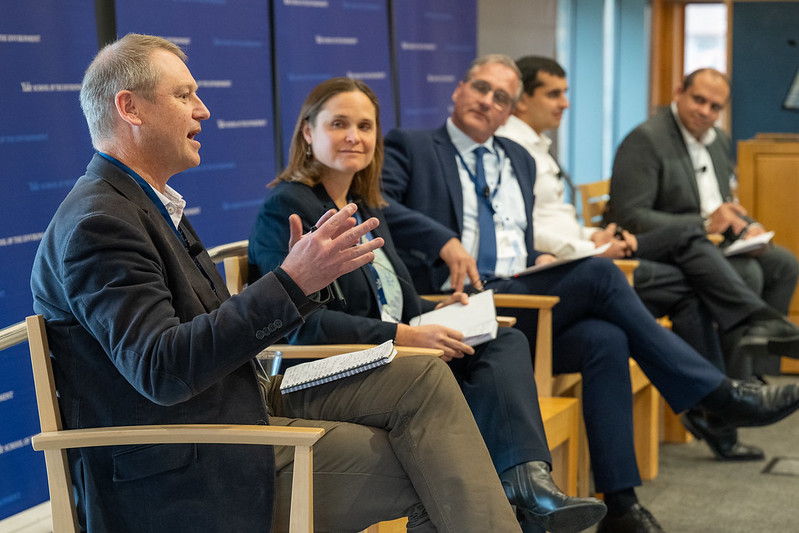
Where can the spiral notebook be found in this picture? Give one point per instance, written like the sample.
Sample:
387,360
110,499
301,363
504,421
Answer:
336,367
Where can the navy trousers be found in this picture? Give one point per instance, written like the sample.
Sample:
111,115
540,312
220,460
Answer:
599,323
499,386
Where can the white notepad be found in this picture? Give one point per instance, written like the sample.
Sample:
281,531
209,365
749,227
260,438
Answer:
336,367
477,321
563,260
757,243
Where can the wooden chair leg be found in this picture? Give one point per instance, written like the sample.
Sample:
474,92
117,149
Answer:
646,408
671,428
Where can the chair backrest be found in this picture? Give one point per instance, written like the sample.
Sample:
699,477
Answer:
594,197
54,441
236,273
65,516
234,258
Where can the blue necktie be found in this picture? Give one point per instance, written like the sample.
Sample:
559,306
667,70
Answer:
487,250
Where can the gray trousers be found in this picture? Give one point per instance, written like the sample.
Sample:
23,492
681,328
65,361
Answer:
400,441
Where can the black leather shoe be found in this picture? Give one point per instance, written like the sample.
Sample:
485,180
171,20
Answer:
636,520
529,486
722,438
778,335
752,404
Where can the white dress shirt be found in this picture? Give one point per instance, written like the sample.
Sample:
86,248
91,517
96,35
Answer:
556,228
706,180
510,218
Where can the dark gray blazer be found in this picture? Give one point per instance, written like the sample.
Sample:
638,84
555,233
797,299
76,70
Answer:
139,337
654,183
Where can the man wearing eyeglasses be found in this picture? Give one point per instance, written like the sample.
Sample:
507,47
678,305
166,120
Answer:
460,208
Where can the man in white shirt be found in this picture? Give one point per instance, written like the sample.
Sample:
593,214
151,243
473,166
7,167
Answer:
460,206
687,277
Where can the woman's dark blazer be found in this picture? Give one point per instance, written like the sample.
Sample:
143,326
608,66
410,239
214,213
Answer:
358,318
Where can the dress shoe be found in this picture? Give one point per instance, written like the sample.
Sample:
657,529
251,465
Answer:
721,437
777,335
529,487
636,520
753,404
527,522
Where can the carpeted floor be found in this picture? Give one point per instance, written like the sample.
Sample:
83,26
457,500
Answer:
694,493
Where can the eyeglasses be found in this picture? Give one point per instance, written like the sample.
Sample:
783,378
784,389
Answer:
502,100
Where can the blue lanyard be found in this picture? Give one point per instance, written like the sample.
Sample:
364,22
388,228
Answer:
148,190
487,198
381,295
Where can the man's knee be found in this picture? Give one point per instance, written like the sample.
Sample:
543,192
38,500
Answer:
780,263
750,271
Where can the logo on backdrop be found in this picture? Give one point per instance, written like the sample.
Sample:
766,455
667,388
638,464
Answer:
251,123
21,239
441,78
28,87
324,40
180,41
418,47
15,38
367,75
306,3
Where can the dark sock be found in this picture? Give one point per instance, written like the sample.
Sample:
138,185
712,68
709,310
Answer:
619,502
717,400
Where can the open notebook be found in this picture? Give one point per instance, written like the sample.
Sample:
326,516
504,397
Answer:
336,367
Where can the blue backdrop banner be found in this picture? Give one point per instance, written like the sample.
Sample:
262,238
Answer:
228,44
44,147
319,39
435,41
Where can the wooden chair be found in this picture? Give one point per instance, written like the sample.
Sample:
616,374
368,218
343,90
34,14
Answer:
594,197
54,441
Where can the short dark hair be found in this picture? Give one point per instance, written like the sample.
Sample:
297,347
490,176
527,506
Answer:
689,79
529,67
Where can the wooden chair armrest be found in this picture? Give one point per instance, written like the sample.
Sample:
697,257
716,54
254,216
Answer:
223,251
506,321
525,301
312,351
521,301
173,434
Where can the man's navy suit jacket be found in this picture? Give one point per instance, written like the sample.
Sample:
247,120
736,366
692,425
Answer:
422,186
138,336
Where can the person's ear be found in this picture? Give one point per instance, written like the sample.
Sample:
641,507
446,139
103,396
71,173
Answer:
126,106
456,93
306,132
521,106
